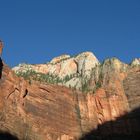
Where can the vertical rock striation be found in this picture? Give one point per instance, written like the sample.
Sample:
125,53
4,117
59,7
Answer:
38,111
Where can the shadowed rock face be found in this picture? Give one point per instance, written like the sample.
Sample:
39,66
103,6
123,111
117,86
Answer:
132,88
37,111
7,136
129,125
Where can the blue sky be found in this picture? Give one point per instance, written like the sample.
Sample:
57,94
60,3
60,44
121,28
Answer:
35,31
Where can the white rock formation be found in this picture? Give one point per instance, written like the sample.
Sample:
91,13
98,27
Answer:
62,66
86,62
136,62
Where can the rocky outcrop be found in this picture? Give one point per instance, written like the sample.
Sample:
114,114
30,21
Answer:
42,111
135,62
1,47
64,65
59,59
70,70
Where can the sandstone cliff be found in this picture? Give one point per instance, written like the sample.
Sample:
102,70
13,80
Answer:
34,110
69,70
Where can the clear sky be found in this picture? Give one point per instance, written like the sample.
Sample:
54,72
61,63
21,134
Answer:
35,31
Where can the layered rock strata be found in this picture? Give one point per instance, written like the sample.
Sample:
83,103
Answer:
38,111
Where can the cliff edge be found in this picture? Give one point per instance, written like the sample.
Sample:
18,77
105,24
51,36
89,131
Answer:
32,109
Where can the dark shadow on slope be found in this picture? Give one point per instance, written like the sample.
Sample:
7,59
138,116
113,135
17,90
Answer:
126,127
1,67
7,136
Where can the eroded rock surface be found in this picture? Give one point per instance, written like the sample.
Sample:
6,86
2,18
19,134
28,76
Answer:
37,111
64,65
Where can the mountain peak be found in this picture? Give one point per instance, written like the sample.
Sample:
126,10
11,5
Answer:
64,65
136,62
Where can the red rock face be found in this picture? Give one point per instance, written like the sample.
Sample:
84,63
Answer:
1,47
51,112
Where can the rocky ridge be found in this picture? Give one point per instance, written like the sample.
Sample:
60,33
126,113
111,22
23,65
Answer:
64,65
43,111
78,72
136,62
69,70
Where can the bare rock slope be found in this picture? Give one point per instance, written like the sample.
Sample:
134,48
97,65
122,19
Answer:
69,70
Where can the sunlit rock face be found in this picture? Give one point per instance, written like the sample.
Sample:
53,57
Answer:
1,47
85,63
43,111
62,66
136,62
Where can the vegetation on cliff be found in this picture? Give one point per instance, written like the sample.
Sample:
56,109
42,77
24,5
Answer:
31,75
